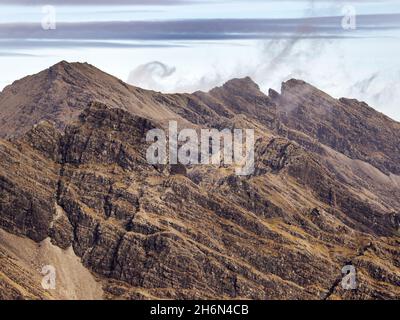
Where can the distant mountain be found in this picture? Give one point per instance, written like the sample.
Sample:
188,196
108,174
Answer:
76,189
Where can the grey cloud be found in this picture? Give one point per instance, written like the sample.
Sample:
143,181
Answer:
21,44
16,54
363,86
158,76
380,89
203,29
149,74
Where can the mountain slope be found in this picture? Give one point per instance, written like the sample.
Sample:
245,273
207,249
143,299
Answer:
60,93
348,126
146,231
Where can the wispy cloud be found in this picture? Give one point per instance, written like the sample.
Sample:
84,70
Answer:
26,44
16,54
148,75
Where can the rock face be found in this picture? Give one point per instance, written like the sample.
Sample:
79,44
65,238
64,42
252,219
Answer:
321,197
348,126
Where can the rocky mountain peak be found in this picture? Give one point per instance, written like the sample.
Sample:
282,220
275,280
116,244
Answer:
74,72
245,83
62,65
239,86
293,83
295,88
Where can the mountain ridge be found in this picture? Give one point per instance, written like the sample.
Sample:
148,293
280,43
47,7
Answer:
200,232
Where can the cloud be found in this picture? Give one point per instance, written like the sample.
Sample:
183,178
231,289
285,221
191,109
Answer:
380,89
204,29
283,53
37,44
16,54
148,75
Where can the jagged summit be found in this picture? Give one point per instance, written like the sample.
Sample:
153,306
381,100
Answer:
291,83
65,64
240,85
300,90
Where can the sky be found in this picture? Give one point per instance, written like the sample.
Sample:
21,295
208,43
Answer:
346,48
